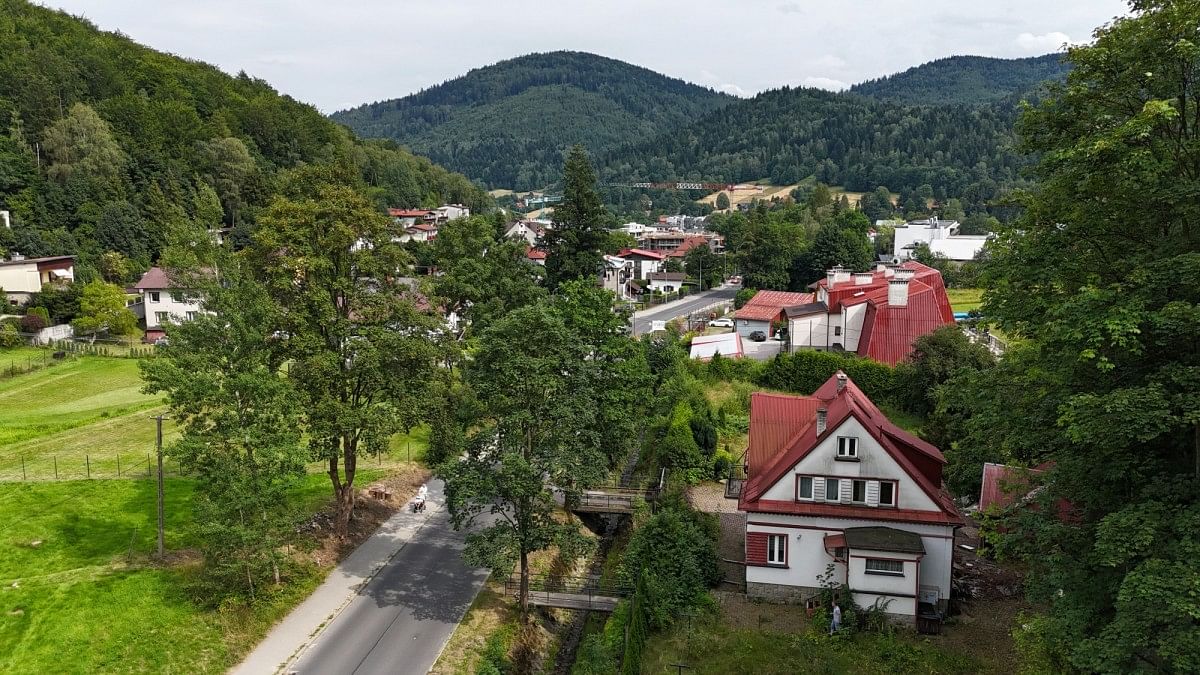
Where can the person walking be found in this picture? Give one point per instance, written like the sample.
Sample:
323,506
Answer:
837,618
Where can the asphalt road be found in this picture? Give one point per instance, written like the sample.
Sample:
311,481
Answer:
399,623
641,322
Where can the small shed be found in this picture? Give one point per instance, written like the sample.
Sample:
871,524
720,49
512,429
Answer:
728,345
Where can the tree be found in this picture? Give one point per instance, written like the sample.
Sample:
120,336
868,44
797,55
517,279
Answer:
1102,277
114,267
936,358
702,261
953,210
617,241
537,432
361,354
82,143
102,310
573,245
241,428
767,253
722,201
833,245
979,222
228,164
877,205
121,229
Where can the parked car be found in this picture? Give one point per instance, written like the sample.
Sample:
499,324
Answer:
721,323
758,336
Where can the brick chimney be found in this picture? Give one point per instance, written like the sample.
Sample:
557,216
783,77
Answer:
830,278
863,278
841,381
822,418
905,274
898,293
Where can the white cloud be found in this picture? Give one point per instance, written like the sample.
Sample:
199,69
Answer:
828,61
732,89
824,83
1041,44
791,8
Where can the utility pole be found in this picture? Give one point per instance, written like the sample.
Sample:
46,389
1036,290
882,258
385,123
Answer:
158,445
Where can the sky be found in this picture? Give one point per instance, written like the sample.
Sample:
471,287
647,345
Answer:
336,55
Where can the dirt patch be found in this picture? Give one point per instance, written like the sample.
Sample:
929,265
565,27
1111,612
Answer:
710,498
983,630
740,612
369,514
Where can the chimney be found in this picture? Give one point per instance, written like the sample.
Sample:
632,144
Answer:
830,278
863,278
841,381
880,267
898,293
904,274
843,274
14,256
822,417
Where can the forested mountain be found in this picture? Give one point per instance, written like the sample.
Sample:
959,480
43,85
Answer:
509,124
964,79
105,144
787,135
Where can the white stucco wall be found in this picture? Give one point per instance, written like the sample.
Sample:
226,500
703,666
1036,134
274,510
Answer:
811,331
852,326
177,310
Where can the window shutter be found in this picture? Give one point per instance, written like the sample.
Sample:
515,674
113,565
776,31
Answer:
819,489
872,493
847,491
756,548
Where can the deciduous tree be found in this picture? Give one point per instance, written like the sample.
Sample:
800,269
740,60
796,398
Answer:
102,310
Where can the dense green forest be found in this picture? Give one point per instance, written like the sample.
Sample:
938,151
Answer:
105,144
965,79
787,135
509,124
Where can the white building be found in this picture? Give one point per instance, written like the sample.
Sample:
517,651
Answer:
942,237
21,277
617,273
531,231
728,345
163,303
644,262
832,482
666,282
637,230
449,212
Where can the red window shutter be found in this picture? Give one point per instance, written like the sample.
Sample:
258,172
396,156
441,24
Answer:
756,548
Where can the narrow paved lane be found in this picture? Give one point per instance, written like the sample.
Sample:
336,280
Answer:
641,320
401,621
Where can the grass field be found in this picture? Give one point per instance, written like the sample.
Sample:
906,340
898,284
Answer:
965,299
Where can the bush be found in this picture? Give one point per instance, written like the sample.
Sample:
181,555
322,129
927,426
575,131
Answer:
679,449
32,323
8,336
675,555
39,311
805,371
722,462
743,296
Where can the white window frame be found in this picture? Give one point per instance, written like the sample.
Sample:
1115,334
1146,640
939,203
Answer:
884,567
191,316
836,495
162,317
847,447
811,488
893,486
776,546
154,297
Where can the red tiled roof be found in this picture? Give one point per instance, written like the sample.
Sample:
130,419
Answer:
534,254
776,420
687,245
653,255
155,278
408,213
766,305
920,460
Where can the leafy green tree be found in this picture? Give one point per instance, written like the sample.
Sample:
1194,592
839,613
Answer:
979,222
767,252
241,428
617,241
574,243
537,431
228,164
877,205
115,267
102,310
705,265
675,555
121,229
360,352
722,201
1102,277
936,358
820,197
833,245
953,210
82,144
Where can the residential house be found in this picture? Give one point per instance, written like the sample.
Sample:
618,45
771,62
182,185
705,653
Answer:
728,345
678,242
410,217
616,275
644,262
422,231
833,484
637,230
536,257
941,236
531,231
766,308
874,314
21,277
164,303
448,212
666,282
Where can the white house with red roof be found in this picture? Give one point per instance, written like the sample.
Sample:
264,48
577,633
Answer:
765,308
644,262
833,484
164,302
876,314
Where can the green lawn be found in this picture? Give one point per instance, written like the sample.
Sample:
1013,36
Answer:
712,647
965,299
73,599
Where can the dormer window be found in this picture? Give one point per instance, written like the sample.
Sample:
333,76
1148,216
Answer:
847,447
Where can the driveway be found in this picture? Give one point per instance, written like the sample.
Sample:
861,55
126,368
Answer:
693,303
761,351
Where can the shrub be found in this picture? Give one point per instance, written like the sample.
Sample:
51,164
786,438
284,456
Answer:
32,323
675,555
804,371
9,336
722,462
39,311
679,449
743,296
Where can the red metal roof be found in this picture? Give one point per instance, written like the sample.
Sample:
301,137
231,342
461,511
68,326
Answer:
776,420
687,245
767,305
653,255
889,332
920,460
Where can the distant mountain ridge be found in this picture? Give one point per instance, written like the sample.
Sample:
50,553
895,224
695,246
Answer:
971,80
508,124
